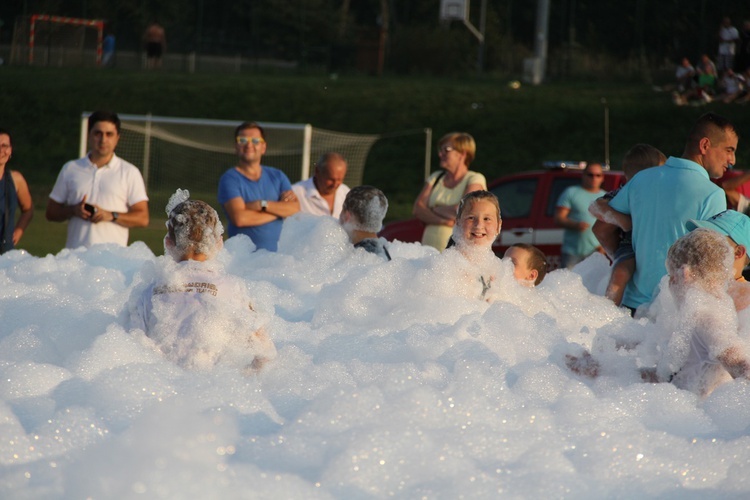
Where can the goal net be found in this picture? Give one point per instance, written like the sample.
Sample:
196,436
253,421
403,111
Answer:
57,41
193,153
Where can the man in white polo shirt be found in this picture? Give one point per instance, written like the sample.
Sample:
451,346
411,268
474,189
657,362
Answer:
324,192
100,195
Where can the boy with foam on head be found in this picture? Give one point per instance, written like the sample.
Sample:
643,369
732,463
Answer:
529,263
362,217
193,312
618,243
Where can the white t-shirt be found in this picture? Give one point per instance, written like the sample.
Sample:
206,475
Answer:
115,187
728,35
198,316
311,202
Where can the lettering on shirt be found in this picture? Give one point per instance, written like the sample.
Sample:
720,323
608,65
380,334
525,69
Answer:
191,287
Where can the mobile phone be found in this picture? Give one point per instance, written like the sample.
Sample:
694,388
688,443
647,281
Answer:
90,208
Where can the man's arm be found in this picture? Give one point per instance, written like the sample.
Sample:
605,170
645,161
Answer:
286,206
731,186
136,216
59,212
562,220
608,236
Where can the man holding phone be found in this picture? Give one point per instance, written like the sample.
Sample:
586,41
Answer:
100,195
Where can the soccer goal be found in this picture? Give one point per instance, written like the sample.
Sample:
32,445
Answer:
46,40
193,153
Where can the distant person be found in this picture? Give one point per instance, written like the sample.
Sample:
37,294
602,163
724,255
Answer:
685,75
324,192
728,39
742,58
256,198
437,202
731,86
100,195
155,41
362,217
572,214
618,243
14,193
529,263
108,50
196,314
662,200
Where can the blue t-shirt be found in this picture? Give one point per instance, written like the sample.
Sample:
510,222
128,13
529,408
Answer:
660,201
271,184
577,199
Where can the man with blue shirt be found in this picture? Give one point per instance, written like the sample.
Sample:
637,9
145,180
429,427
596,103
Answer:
572,214
256,198
662,200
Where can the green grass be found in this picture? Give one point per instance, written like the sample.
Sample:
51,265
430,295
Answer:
514,129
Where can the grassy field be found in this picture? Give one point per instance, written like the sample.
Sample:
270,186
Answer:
514,129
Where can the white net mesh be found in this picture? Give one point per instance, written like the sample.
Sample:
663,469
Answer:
192,154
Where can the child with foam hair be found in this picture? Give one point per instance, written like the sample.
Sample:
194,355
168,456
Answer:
192,311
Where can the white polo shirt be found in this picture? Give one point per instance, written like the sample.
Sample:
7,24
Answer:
115,187
311,202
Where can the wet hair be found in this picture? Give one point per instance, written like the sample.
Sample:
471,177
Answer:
368,206
325,158
249,125
641,157
104,116
706,257
470,198
537,260
7,132
193,225
709,125
461,142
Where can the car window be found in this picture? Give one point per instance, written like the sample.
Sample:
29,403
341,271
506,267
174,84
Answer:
516,197
559,185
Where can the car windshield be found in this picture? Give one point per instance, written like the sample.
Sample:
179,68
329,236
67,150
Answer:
516,197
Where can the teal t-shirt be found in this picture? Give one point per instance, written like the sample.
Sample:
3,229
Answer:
660,201
577,199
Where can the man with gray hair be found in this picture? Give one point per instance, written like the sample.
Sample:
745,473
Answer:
362,217
324,192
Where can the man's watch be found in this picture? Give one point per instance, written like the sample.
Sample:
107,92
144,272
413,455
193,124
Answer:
115,215
263,205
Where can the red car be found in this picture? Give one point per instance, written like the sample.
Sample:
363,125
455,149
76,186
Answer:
527,201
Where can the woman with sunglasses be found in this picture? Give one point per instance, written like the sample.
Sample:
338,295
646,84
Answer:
437,202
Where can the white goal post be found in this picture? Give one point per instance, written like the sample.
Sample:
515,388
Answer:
193,153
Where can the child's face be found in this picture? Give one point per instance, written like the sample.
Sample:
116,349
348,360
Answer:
522,272
479,223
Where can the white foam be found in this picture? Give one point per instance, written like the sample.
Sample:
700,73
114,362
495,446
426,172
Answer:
392,378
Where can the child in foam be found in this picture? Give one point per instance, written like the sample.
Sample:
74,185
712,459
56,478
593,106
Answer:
194,313
529,263
704,349
477,226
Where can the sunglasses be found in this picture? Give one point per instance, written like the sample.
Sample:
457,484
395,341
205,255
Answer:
249,140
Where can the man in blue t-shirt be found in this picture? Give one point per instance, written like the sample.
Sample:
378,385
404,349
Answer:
661,200
572,214
256,198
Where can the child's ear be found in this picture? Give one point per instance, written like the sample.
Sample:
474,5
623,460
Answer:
739,252
533,275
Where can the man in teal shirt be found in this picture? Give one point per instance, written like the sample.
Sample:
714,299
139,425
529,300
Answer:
572,214
662,200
